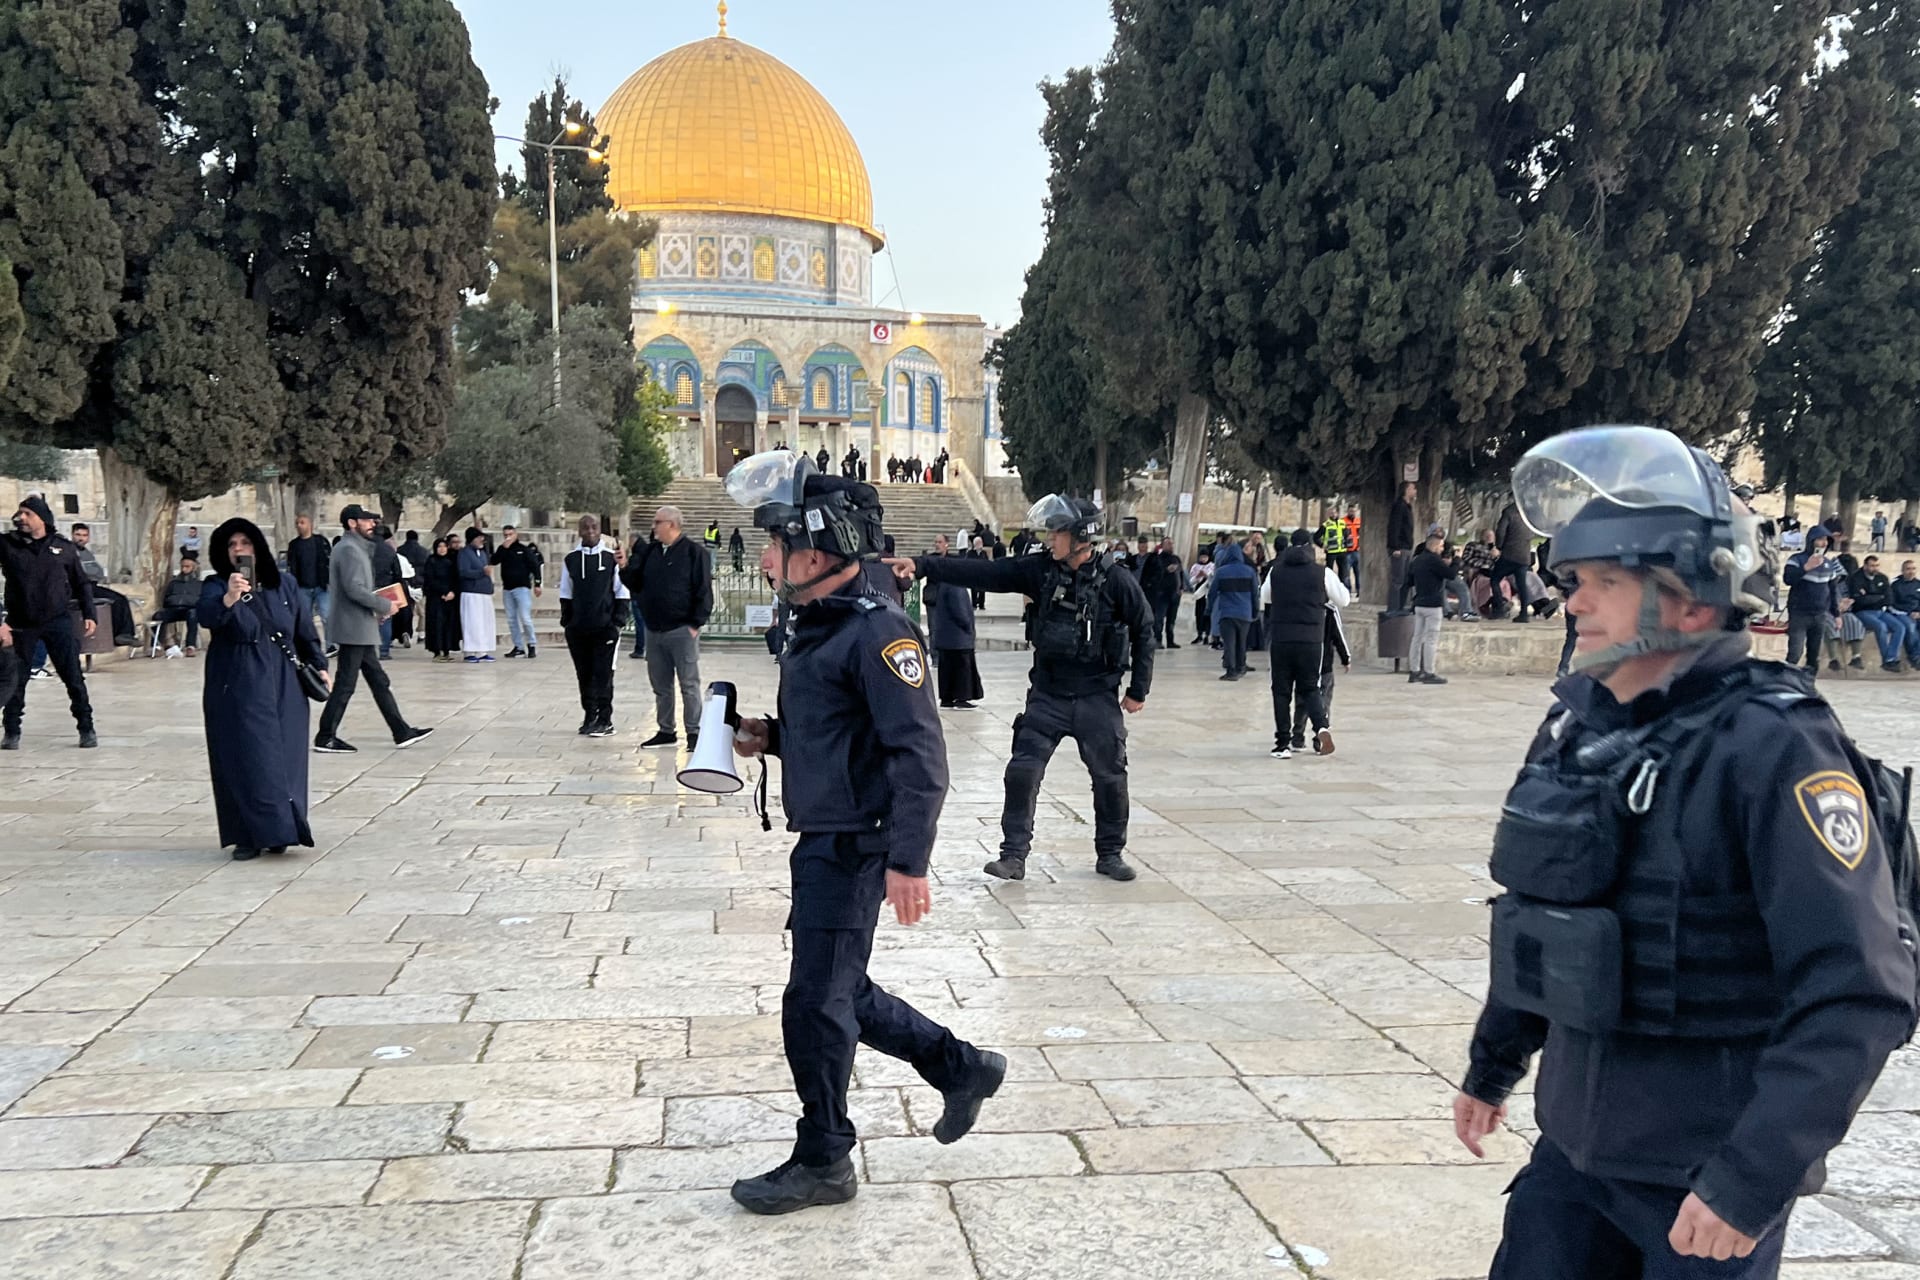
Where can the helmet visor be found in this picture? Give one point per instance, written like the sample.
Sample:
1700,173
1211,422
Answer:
1052,512
1634,467
774,476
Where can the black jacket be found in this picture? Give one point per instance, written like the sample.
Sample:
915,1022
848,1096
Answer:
386,563
183,592
1400,526
519,564
1904,594
591,592
857,727
308,559
1429,575
1869,591
44,580
1745,1124
1297,599
671,584
1027,576
414,553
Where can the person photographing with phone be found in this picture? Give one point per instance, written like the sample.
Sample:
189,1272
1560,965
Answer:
45,585
864,779
259,629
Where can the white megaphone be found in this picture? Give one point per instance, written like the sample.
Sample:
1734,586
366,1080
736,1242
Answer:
710,768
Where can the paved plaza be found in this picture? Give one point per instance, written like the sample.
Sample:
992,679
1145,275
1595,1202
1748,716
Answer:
516,1017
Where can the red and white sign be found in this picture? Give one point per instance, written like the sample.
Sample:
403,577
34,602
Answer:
881,334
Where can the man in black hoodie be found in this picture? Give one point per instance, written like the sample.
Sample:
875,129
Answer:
44,585
1296,591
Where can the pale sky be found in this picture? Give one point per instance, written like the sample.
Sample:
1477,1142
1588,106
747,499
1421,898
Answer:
941,98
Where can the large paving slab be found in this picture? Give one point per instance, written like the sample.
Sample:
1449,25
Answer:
518,1010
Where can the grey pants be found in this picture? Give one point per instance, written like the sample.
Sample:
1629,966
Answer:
1426,640
670,655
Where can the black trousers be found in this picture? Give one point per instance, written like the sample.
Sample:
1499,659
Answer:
1233,644
1098,728
189,616
354,659
593,652
1296,683
831,1006
1399,584
119,609
1805,632
1502,570
63,652
1166,619
1567,1225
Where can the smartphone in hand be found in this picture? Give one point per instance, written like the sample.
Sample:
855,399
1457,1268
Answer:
243,565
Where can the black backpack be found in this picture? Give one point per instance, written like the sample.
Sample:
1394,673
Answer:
1890,797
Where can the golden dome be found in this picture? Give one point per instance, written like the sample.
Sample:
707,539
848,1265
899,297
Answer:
718,126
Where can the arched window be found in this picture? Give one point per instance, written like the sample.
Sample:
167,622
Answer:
779,393
902,400
683,387
822,395
929,415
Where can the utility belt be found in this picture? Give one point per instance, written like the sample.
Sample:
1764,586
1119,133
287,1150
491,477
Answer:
1598,930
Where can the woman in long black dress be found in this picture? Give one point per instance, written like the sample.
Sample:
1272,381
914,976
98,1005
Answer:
441,586
256,714
950,610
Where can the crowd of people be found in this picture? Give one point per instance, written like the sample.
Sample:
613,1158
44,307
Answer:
916,470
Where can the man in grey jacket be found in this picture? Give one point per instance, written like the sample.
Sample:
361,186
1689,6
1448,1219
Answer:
354,625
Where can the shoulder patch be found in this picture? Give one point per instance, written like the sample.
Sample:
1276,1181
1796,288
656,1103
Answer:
905,660
1835,806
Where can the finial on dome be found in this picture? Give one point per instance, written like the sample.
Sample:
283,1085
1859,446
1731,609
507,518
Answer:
723,19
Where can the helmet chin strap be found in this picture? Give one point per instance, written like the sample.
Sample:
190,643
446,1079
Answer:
788,589
1653,637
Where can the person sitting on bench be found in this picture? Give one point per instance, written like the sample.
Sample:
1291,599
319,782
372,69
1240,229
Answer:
181,603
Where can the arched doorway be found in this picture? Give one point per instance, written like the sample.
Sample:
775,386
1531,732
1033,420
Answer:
734,416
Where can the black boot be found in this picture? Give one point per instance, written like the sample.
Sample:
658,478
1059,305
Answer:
1007,867
533,650
793,1185
963,1104
1113,866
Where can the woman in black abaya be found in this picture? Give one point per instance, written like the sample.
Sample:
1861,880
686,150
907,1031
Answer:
440,585
256,714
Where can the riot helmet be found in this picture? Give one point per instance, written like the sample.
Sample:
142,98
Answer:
803,510
1643,498
1057,512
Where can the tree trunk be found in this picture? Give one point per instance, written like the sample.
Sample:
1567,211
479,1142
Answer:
450,514
1849,515
1303,513
141,514
392,507
1238,496
1829,501
1911,513
1259,517
1787,495
1188,474
1432,506
275,500
1376,500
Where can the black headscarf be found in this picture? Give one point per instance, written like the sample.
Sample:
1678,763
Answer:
266,574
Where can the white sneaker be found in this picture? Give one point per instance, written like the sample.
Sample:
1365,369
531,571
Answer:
173,651
1281,753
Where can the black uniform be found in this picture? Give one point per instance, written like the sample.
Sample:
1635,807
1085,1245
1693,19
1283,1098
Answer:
44,586
865,780
1707,951
591,613
1088,627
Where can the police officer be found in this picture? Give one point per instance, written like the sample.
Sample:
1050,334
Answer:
1698,930
1089,624
864,782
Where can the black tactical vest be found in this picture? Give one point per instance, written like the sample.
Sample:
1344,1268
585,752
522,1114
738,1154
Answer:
1071,619
1600,930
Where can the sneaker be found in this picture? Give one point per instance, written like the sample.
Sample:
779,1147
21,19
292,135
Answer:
1113,866
11,742
965,706
40,673
1833,664
533,651
410,737
515,652
333,746
1323,742
963,1104
1173,644
1281,753
486,657
585,726
664,738
471,657
1891,668
1413,677
1857,665
88,739
1299,743
602,730
1431,678
333,651
173,651
242,853
191,651
1001,868
792,1185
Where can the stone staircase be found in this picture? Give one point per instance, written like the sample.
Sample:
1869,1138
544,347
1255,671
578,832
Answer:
914,513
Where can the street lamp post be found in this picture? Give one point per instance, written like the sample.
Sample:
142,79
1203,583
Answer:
571,128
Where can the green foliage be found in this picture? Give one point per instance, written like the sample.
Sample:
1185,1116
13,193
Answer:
13,321
579,181
645,468
511,443
32,462
1839,398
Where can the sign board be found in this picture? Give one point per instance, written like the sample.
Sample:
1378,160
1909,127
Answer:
1186,504
1410,473
759,615
881,333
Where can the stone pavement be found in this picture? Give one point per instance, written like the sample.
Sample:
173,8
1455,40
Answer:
517,1015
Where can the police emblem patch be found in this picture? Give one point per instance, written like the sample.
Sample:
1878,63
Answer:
904,659
1835,807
